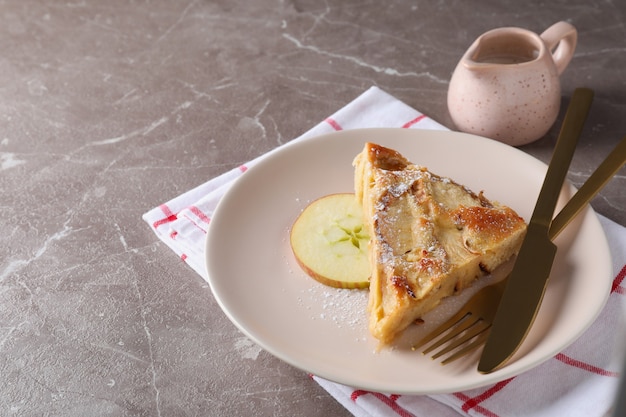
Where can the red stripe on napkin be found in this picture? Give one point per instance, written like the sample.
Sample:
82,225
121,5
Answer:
477,408
390,401
196,225
169,216
473,402
412,122
333,123
585,366
195,210
618,281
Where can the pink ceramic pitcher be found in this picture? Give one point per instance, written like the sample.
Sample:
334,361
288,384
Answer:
506,86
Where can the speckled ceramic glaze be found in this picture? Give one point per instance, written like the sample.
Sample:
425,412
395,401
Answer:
506,86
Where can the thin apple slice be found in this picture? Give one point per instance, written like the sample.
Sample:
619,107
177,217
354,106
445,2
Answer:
330,243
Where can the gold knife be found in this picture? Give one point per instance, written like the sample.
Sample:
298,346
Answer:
526,284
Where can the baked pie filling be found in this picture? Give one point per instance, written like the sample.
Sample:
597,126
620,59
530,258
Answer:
430,237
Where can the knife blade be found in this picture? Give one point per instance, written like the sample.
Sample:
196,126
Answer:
526,284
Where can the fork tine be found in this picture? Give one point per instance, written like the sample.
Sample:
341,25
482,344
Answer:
458,328
442,328
467,329
476,328
478,342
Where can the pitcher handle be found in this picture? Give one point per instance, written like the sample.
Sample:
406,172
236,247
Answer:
561,39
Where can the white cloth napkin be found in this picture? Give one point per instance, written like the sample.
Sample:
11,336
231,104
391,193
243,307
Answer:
580,381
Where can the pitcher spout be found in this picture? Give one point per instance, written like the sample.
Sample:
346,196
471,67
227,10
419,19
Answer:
503,46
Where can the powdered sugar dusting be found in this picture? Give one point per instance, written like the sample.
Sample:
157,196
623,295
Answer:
345,308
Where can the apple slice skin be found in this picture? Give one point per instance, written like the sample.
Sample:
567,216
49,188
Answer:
330,244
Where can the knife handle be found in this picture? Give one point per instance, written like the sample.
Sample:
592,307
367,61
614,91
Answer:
562,156
596,181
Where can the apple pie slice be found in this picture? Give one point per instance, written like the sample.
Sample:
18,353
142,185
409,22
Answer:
430,237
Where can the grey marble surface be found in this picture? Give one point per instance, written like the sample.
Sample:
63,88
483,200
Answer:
108,109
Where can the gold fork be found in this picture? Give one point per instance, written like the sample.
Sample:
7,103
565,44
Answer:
468,329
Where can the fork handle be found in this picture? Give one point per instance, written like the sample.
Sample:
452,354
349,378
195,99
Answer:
596,181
